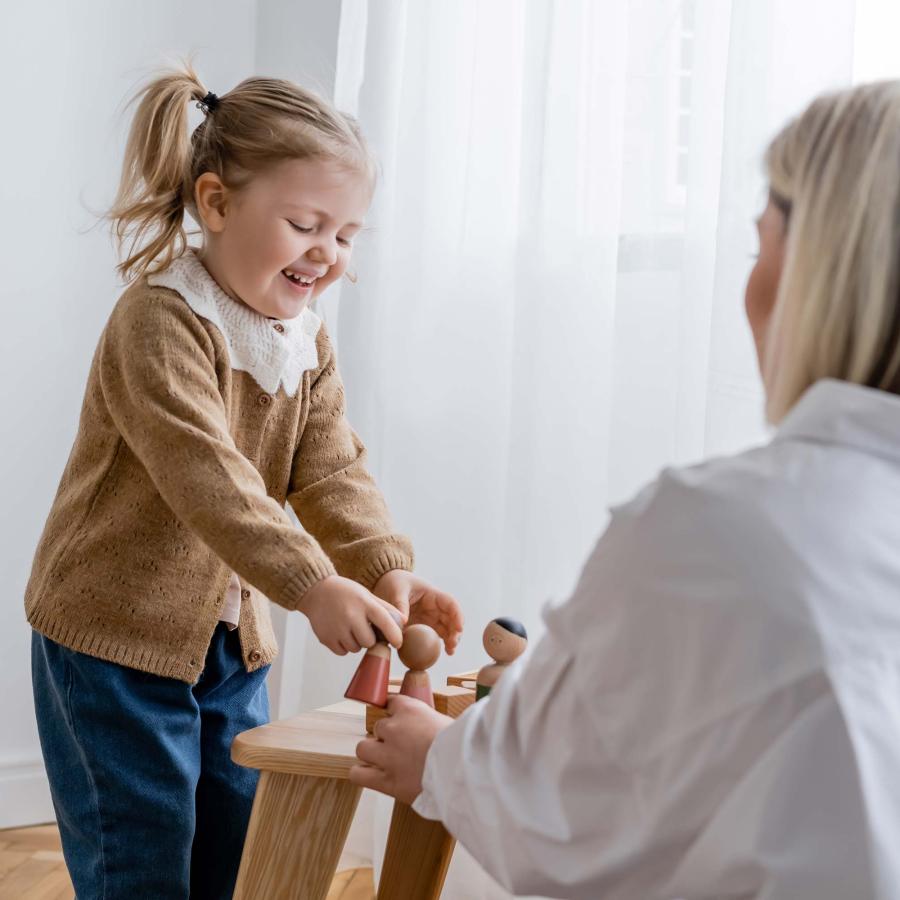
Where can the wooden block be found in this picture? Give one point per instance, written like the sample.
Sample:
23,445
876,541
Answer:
463,679
373,714
451,701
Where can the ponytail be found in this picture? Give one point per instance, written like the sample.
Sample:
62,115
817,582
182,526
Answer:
148,211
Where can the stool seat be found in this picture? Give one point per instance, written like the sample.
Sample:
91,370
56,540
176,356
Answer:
321,743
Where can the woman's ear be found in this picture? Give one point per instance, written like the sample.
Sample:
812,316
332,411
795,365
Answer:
210,195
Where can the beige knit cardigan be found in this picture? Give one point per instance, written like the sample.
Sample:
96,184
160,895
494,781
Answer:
179,475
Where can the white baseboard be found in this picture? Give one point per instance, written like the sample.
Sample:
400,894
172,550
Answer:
24,795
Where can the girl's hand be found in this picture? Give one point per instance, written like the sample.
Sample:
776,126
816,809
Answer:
343,612
422,604
393,759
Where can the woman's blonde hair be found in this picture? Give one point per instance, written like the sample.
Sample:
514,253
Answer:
260,122
835,173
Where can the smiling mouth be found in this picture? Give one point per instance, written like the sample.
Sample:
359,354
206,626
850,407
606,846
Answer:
299,281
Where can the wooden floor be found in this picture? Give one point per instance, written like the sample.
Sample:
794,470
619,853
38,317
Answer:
32,868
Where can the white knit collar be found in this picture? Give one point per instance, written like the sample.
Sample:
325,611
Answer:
255,346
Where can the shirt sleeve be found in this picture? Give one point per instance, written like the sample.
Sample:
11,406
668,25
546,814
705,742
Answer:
599,764
495,778
332,492
523,782
159,381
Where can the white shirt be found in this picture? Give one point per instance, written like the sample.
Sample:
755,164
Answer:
715,713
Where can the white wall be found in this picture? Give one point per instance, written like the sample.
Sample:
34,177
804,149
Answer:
65,68
297,39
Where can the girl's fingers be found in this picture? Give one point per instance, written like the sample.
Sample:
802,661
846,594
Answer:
379,616
445,626
439,607
361,634
397,607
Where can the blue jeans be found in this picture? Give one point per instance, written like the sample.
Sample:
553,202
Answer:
149,804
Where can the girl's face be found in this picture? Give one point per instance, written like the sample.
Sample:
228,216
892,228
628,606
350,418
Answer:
280,241
762,285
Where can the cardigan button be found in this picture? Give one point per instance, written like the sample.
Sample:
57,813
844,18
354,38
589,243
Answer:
264,399
255,656
279,327
245,594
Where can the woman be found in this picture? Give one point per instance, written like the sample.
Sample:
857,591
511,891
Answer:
716,711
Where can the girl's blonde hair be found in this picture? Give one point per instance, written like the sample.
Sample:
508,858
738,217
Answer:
835,173
257,124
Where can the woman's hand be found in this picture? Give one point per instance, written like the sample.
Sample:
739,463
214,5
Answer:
393,759
422,604
342,613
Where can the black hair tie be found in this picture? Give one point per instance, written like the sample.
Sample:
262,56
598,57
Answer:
208,103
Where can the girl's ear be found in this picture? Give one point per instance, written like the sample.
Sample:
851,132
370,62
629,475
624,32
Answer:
210,195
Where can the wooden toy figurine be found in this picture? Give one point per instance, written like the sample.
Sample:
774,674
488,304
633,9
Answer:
419,651
370,683
505,641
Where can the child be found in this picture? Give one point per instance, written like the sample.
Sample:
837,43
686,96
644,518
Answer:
213,399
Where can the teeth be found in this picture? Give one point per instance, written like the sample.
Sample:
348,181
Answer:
296,276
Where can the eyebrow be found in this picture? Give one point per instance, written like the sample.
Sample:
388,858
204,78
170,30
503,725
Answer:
320,213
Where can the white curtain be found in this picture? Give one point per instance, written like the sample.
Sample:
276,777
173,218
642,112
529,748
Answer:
549,304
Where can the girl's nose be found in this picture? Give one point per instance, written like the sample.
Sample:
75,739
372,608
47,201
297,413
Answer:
324,251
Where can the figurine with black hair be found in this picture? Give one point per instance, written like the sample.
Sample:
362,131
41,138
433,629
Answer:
505,641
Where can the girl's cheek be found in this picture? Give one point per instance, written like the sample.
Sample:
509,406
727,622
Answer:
338,269
334,273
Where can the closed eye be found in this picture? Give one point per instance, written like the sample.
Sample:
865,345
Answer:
344,241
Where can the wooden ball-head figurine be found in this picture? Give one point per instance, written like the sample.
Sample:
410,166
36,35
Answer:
370,683
505,641
419,651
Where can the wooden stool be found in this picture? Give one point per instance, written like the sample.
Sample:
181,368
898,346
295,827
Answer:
303,808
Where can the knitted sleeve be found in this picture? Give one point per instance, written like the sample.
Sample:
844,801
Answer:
158,377
333,494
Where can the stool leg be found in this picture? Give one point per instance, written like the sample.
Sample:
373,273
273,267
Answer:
416,858
297,830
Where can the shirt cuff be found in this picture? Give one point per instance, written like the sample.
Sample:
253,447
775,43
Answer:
443,762
426,804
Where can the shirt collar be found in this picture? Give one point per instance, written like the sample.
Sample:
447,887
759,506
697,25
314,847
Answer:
838,412
275,353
